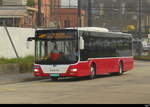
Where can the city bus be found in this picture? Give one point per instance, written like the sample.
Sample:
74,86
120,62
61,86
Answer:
82,52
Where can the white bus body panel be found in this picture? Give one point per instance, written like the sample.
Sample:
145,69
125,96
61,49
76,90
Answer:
51,69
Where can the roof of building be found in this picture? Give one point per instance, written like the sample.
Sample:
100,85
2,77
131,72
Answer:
11,13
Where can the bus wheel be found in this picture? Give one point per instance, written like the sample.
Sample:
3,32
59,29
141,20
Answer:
120,69
54,78
92,72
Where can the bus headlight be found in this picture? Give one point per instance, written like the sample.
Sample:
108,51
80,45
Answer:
36,70
74,70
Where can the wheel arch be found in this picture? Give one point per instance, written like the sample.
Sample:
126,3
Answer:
122,64
92,63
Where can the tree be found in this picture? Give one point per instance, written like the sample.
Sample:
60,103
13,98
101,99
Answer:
30,3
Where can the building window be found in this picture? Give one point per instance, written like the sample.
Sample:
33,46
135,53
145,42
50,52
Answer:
10,22
67,23
30,20
26,20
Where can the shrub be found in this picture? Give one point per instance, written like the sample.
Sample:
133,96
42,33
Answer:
25,64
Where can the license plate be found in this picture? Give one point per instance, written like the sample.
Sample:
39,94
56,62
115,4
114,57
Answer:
55,75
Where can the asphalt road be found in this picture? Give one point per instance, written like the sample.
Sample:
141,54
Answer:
131,88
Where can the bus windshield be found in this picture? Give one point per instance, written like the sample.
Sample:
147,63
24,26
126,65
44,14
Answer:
56,47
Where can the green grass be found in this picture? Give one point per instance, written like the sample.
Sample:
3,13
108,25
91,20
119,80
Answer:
146,58
28,59
24,64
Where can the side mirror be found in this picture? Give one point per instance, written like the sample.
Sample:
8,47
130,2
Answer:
29,40
81,43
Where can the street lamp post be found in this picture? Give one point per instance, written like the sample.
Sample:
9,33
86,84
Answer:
89,13
79,13
139,28
39,23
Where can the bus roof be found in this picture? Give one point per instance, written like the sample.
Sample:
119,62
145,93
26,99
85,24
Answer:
88,29
91,29
99,30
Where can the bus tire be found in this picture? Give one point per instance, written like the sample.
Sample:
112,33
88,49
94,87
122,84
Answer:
120,72
92,72
54,78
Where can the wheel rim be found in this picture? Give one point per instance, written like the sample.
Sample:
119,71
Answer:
120,70
92,73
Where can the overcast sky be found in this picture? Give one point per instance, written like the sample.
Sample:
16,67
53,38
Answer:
69,2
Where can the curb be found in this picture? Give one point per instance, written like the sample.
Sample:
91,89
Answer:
9,68
13,69
19,78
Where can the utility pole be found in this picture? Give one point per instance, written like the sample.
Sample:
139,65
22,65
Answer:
79,13
39,20
11,41
139,28
69,4
89,13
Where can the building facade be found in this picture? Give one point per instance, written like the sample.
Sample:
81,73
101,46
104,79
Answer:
47,6
119,15
67,17
25,13
13,2
15,13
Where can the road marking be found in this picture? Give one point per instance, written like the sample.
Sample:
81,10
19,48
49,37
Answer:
7,89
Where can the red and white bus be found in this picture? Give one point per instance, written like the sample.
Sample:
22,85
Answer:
86,51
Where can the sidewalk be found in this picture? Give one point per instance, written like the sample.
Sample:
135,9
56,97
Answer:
16,78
